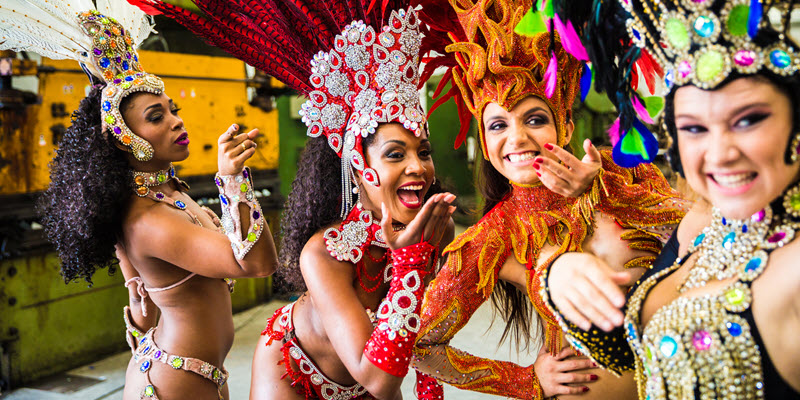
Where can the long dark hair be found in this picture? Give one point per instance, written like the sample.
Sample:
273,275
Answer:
89,190
513,305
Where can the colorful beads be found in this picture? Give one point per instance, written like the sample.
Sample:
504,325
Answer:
668,346
145,366
735,296
676,33
701,340
704,26
149,391
727,242
710,65
180,204
780,58
110,119
745,58
737,20
176,362
699,239
733,328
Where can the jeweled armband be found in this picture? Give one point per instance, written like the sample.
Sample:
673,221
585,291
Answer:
428,388
235,189
610,350
391,343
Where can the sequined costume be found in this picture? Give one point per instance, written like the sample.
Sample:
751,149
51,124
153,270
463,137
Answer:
144,349
310,382
638,199
359,67
490,63
704,346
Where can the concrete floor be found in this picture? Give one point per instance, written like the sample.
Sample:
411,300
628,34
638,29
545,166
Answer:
105,379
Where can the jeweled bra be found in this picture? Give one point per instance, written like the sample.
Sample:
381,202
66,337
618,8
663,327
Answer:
702,346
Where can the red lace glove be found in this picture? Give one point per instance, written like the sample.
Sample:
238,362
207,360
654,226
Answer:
391,343
428,388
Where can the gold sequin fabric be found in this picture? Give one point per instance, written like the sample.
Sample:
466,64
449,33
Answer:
520,226
703,347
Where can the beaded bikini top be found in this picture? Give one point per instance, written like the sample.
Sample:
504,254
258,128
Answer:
352,240
703,346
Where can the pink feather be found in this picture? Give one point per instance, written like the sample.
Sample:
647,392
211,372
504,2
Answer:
551,75
642,111
613,132
570,39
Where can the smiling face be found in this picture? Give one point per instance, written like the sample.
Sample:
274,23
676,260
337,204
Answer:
514,138
405,168
155,119
732,142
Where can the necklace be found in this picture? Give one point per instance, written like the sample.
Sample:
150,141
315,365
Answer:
143,181
352,239
728,247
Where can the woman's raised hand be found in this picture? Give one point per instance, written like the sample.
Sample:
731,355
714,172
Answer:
587,291
429,225
235,149
558,374
574,176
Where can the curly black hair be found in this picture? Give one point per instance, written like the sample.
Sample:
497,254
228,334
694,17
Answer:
89,190
314,202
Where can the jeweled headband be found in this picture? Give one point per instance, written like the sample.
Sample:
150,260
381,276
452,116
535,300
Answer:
105,47
697,42
118,63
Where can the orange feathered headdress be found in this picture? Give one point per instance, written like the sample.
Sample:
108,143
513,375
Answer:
488,62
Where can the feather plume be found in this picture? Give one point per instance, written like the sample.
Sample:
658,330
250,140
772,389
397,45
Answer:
754,19
570,40
641,111
551,76
51,29
586,81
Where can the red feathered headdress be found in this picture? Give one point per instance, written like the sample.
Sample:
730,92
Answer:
356,71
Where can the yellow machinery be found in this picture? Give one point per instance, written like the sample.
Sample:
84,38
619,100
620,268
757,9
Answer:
47,326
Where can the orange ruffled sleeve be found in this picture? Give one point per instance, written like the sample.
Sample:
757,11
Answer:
464,283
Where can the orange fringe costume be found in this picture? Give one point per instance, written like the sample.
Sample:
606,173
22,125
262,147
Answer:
640,200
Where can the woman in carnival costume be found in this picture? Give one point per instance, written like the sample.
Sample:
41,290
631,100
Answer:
521,90
712,323
359,236
113,184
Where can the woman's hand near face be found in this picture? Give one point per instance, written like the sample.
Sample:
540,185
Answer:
573,177
587,291
555,373
429,225
235,149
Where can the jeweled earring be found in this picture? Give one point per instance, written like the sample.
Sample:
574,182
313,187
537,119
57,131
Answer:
355,189
791,201
434,180
795,149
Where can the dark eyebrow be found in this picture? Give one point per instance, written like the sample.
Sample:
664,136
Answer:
734,112
156,105
536,109
400,142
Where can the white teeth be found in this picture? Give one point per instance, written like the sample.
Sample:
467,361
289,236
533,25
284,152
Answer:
734,180
521,157
412,187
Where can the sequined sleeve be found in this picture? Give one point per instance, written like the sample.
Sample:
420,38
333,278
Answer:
464,283
641,201
610,350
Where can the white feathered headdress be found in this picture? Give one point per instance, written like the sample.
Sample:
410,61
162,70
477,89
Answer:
103,39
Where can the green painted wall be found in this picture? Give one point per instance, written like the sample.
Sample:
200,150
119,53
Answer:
47,326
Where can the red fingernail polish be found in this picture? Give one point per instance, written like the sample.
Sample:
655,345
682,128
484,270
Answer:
548,146
593,377
538,160
585,389
538,174
595,364
535,165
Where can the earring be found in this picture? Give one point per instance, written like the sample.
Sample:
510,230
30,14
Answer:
791,201
355,189
795,149
434,180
